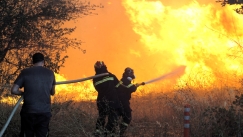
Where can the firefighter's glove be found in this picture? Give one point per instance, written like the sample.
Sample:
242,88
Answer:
139,84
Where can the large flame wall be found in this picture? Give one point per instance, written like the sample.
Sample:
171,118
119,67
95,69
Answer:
154,37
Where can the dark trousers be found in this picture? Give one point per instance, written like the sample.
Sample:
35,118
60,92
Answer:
106,110
125,112
35,124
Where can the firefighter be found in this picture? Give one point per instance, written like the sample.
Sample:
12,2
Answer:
125,89
107,100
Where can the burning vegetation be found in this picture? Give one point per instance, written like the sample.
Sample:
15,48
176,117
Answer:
205,38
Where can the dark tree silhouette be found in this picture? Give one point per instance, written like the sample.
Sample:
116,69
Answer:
232,2
28,26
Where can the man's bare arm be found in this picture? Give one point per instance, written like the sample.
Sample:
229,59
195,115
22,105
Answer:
15,90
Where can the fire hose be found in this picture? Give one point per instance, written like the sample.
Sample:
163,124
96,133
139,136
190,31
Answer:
57,83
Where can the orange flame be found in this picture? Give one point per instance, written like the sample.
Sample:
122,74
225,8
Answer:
81,91
155,37
204,38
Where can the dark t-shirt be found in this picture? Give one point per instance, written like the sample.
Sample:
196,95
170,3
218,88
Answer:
37,82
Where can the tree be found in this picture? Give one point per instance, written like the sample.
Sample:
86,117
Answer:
28,26
233,2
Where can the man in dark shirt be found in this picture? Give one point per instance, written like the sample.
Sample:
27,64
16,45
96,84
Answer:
107,100
39,84
125,88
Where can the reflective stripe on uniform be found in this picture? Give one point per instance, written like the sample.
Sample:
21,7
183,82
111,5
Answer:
128,86
120,83
125,124
98,131
47,134
103,80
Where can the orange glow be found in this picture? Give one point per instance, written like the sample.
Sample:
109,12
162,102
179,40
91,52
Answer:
81,91
154,37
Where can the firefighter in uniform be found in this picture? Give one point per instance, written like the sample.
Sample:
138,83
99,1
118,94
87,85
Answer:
107,100
125,89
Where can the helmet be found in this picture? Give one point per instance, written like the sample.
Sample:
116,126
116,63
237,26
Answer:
129,73
99,64
128,70
100,67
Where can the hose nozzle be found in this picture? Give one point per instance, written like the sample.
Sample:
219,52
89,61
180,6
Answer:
139,84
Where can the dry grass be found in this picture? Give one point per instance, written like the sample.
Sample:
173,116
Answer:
157,113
